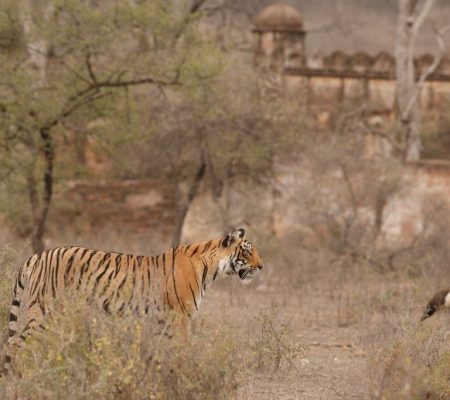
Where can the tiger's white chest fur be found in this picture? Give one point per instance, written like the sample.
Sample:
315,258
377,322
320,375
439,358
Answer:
447,301
224,266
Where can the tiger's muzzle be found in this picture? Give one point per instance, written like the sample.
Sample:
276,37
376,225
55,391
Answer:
247,274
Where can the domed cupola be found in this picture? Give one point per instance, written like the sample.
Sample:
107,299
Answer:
280,38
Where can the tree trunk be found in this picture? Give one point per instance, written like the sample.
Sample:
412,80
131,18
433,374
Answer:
404,67
38,59
410,19
183,203
40,215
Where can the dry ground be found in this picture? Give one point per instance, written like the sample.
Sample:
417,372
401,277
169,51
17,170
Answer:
343,326
347,321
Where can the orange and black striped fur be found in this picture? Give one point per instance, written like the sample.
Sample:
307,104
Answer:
176,280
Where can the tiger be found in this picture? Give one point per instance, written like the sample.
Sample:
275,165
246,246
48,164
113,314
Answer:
175,281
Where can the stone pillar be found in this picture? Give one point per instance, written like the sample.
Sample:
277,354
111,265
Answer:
280,37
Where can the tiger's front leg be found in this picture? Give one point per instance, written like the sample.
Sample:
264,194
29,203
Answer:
183,327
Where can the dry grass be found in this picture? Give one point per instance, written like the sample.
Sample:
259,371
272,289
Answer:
84,353
347,303
315,324
415,364
272,342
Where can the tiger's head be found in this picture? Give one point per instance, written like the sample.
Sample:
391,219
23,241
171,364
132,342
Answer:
243,257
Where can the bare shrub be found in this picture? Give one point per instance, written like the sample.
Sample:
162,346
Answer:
272,343
415,365
84,353
436,144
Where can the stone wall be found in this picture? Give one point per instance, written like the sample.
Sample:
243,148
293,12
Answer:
143,207
426,190
334,84
325,81
123,206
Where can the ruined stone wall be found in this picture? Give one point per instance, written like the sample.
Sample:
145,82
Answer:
146,208
339,78
124,207
423,190
426,190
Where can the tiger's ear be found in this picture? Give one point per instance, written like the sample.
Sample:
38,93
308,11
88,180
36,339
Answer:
233,237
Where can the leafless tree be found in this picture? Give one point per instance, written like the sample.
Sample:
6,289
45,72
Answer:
411,17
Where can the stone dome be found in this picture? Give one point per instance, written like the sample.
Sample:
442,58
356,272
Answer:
280,18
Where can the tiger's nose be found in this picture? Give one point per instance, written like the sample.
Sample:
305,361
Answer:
260,267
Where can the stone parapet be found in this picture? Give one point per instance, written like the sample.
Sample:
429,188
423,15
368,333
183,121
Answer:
363,66
132,206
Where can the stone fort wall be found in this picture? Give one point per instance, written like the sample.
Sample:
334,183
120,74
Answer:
327,80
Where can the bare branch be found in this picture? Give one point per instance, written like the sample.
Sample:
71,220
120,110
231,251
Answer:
398,146
196,5
430,70
419,20
350,190
70,110
96,86
89,67
414,241
76,73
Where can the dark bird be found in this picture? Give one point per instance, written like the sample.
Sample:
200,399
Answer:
438,302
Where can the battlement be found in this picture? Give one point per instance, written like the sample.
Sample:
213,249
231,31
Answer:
363,66
281,46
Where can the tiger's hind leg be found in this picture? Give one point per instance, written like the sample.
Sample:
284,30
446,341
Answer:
19,304
32,318
12,325
16,341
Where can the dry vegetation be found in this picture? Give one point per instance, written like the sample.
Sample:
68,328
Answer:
319,322
333,315
84,353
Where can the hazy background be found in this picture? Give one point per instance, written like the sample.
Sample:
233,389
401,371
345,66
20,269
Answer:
133,126
352,25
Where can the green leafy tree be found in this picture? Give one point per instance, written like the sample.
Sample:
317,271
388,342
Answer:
69,62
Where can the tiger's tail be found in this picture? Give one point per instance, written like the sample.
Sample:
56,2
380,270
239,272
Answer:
13,315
